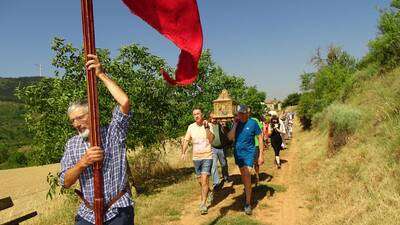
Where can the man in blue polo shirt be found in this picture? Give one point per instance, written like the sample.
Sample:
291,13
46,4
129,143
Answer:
243,133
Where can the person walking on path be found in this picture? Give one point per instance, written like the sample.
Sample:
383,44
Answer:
78,158
201,136
218,146
290,122
257,152
283,118
276,129
243,132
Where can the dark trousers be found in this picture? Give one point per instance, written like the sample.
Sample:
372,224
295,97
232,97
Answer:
125,216
276,142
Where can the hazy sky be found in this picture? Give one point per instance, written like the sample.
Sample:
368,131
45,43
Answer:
269,43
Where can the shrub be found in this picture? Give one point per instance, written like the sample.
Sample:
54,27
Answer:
319,121
147,165
18,159
342,121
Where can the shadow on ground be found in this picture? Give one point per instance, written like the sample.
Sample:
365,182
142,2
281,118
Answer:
237,179
259,193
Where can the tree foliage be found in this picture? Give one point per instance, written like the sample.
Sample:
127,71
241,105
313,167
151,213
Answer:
291,100
160,112
385,48
336,76
326,84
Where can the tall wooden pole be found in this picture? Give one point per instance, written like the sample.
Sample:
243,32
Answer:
94,137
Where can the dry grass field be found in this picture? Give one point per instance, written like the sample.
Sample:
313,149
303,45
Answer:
27,187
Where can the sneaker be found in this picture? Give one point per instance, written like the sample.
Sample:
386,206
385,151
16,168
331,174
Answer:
278,165
210,197
247,209
203,209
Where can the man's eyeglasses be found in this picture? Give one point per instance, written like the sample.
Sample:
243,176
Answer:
78,118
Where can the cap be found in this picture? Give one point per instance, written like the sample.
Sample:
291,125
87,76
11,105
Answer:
242,109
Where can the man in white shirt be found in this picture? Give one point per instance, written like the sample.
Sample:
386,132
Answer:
201,136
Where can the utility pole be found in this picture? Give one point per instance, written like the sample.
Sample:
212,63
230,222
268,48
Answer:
40,69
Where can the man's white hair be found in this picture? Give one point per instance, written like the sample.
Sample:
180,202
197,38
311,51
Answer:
77,105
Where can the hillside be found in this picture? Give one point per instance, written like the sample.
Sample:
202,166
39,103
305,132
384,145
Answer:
8,85
359,183
14,135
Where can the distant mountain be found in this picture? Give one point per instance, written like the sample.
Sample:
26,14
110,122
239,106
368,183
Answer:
8,85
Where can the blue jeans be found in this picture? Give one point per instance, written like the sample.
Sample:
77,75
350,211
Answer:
125,217
219,155
202,166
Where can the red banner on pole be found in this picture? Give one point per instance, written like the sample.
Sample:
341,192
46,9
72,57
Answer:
179,21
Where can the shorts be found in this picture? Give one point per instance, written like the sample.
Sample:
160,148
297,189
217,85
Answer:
244,158
202,166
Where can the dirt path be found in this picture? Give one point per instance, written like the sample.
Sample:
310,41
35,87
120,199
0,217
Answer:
278,199
287,207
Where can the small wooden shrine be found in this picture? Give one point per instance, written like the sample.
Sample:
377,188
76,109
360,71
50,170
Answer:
224,106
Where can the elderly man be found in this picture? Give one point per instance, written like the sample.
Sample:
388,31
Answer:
243,133
79,156
201,135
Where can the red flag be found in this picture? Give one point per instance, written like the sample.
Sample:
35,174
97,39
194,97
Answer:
179,21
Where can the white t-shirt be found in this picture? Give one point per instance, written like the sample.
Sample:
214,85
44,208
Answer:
201,145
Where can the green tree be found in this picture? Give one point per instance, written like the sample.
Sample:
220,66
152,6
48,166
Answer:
307,80
161,112
385,48
321,88
291,100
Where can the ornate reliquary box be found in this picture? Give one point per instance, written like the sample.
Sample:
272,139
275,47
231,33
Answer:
224,106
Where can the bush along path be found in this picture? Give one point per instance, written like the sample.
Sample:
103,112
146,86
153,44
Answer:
277,199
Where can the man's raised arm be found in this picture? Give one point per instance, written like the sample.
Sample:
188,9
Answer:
119,95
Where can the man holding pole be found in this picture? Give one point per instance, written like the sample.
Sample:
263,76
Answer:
79,157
